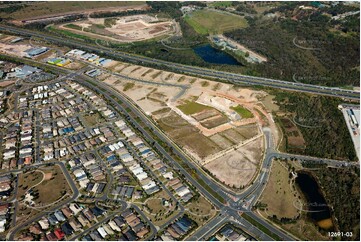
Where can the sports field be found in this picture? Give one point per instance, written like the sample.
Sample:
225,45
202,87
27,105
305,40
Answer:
214,22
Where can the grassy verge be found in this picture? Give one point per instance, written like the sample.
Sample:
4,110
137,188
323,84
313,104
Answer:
73,26
261,227
69,33
201,182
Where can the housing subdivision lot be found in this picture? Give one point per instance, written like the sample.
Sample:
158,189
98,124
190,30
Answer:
229,232
237,167
211,122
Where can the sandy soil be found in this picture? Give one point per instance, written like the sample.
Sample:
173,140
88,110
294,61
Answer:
14,49
270,104
220,96
237,168
74,65
48,176
149,97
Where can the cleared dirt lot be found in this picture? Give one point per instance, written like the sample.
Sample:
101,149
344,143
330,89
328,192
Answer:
14,49
237,167
201,118
122,29
150,98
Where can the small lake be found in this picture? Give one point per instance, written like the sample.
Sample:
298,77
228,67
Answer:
316,204
214,56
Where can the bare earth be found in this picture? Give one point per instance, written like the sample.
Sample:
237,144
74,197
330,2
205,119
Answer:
230,147
125,29
237,168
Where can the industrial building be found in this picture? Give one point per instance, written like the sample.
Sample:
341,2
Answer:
36,51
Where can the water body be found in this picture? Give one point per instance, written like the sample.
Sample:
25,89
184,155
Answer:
214,56
316,204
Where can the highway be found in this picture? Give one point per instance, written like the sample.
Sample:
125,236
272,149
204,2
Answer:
192,70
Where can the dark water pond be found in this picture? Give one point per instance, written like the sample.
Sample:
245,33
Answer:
316,205
214,56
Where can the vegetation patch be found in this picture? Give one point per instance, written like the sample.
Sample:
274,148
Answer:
298,60
73,26
243,112
57,7
321,124
261,227
294,141
190,108
224,4
199,210
341,188
128,86
69,33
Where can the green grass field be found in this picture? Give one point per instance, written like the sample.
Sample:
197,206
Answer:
261,227
245,113
192,107
214,22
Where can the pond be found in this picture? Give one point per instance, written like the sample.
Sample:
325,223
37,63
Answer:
316,205
214,56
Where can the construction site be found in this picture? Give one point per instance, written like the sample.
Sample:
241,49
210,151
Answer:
123,29
219,125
